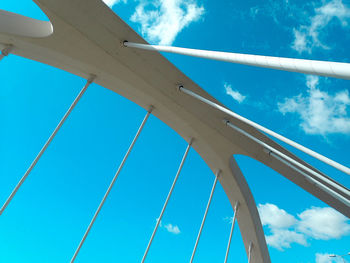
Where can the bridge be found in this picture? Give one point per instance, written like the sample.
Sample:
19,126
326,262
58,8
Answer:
87,39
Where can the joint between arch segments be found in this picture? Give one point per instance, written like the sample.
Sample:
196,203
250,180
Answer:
6,51
150,108
91,78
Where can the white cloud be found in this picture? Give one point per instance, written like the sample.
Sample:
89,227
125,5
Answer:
111,3
174,229
283,238
228,219
162,20
325,258
314,223
283,12
275,217
236,95
300,41
306,37
323,223
279,222
320,112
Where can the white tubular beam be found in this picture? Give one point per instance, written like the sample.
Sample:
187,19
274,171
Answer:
235,209
205,216
269,132
315,67
341,193
111,185
166,201
6,51
325,188
89,81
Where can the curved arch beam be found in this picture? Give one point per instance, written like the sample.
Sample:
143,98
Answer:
248,214
18,25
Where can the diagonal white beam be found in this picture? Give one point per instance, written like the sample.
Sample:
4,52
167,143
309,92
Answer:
166,201
205,216
268,131
235,209
315,67
14,191
340,192
111,185
6,51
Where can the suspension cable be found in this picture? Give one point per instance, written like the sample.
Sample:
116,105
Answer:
235,209
111,185
89,81
205,215
166,201
250,248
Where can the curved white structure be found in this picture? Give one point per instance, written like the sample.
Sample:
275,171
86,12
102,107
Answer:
18,25
87,38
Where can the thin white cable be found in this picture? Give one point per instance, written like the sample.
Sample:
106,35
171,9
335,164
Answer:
267,131
205,216
111,185
250,251
315,67
6,51
344,193
166,201
89,81
235,209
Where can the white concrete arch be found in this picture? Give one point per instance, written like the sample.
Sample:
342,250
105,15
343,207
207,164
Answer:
22,26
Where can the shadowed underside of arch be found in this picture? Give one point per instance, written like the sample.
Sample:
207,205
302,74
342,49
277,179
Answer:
87,39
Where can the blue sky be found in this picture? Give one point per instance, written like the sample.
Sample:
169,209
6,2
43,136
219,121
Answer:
50,213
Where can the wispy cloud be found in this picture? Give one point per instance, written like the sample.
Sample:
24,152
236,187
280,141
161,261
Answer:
236,95
174,229
277,10
162,20
316,222
320,112
111,3
314,19
325,258
307,37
